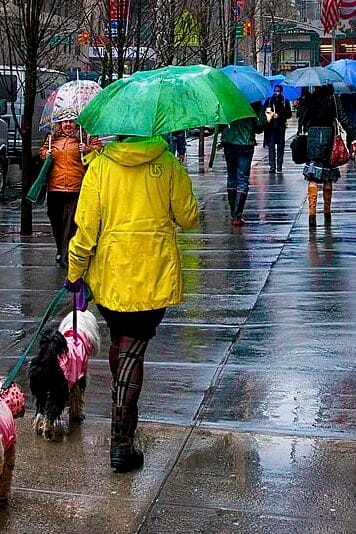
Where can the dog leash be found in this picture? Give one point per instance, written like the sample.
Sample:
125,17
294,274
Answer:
51,309
75,319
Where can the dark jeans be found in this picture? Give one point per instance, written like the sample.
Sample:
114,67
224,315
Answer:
61,210
238,161
277,137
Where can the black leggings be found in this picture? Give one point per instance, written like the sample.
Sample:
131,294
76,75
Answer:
61,210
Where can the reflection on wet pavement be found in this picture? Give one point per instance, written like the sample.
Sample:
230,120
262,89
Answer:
250,381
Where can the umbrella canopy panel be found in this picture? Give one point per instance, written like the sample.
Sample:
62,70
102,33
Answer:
249,81
67,101
312,77
165,100
346,68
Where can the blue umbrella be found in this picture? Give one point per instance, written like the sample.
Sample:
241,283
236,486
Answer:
346,68
249,81
290,92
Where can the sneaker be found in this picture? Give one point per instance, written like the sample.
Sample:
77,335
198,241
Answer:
279,170
58,258
272,171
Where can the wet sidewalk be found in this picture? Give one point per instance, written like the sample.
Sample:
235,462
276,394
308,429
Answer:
248,412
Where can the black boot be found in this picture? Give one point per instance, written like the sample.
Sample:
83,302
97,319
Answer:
231,195
123,455
240,204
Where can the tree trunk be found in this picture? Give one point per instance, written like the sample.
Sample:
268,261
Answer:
27,167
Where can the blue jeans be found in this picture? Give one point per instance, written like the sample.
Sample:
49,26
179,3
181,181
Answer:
238,161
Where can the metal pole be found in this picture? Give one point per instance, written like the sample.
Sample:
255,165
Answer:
333,45
264,59
236,51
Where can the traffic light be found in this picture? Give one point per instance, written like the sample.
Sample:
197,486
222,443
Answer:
84,38
247,28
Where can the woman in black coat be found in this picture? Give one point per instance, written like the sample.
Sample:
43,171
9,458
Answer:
322,108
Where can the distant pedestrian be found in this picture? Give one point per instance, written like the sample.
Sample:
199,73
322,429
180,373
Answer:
177,144
239,140
278,111
65,180
302,107
134,196
322,108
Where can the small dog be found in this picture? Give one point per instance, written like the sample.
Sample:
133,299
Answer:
58,373
12,405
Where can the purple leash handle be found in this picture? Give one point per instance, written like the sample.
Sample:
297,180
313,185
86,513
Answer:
75,331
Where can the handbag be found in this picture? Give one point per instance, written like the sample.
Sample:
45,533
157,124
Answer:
37,192
298,147
339,152
270,113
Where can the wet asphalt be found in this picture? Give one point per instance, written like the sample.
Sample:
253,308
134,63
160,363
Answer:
248,411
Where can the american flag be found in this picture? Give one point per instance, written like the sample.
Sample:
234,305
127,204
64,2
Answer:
330,14
347,9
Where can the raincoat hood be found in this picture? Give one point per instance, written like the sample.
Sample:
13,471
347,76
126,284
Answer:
134,151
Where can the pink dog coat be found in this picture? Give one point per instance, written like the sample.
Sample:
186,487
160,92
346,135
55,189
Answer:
14,398
74,363
7,426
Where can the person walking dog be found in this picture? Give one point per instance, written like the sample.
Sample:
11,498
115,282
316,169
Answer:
278,111
134,196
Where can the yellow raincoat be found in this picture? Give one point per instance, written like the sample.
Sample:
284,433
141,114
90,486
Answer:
132,197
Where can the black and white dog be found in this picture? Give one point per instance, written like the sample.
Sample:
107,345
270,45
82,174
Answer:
58,373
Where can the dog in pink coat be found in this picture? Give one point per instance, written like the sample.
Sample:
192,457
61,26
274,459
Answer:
58,374
12,405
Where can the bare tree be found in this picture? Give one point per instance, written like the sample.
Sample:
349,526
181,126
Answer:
32,33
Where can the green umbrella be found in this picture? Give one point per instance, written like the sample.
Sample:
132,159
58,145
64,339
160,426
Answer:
164,100
35,193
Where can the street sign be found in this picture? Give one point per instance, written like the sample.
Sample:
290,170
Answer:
60,40
113,25
282,27
236,9
236,12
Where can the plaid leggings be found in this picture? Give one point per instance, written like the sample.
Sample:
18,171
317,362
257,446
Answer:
126,357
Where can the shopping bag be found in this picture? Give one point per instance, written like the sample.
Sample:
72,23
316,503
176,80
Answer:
299,148
37,192
339,152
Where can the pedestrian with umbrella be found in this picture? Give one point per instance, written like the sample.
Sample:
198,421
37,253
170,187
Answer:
239,138
321,112
239,141
134,196
278,111
65,147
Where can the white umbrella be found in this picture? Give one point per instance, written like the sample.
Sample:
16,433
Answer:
312,77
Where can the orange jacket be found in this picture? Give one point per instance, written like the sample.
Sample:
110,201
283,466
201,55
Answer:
67,170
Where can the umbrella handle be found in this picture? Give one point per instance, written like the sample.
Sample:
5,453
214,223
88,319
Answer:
81,140
213,147
75,321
